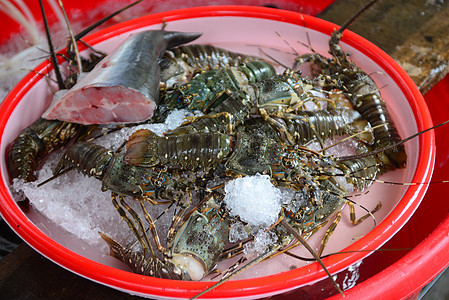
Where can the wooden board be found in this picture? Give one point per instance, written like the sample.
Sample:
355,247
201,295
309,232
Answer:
413,32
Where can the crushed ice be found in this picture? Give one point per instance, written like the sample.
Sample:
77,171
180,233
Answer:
174,120
259,245
85,211
81,211
254,199
237,232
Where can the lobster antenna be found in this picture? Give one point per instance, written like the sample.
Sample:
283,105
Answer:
384,181
355,17
54,61
72,39
55,176
98,23
369,250
273,59
304,258
309,44
345,252
337,35
392,146
352,136
292,231
23,16
287,43
165,210
250,264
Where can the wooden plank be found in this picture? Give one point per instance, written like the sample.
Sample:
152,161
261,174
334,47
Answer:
413,32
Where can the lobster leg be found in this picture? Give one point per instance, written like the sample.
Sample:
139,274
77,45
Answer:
329,232
145,243
280,127
354,220
152,228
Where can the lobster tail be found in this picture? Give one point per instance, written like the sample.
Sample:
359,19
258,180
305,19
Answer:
88,158
140,264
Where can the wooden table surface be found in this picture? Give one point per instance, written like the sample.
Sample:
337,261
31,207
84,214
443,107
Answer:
412,32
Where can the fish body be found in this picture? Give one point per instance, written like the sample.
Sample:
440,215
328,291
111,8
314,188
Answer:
123,87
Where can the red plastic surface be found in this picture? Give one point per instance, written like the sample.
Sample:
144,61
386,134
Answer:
87,10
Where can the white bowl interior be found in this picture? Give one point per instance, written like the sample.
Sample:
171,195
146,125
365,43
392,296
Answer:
249,36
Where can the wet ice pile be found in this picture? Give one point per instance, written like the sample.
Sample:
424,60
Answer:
257,202
262,240
173,120
75,202
254,199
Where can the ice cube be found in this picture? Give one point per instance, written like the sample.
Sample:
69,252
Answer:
254,199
